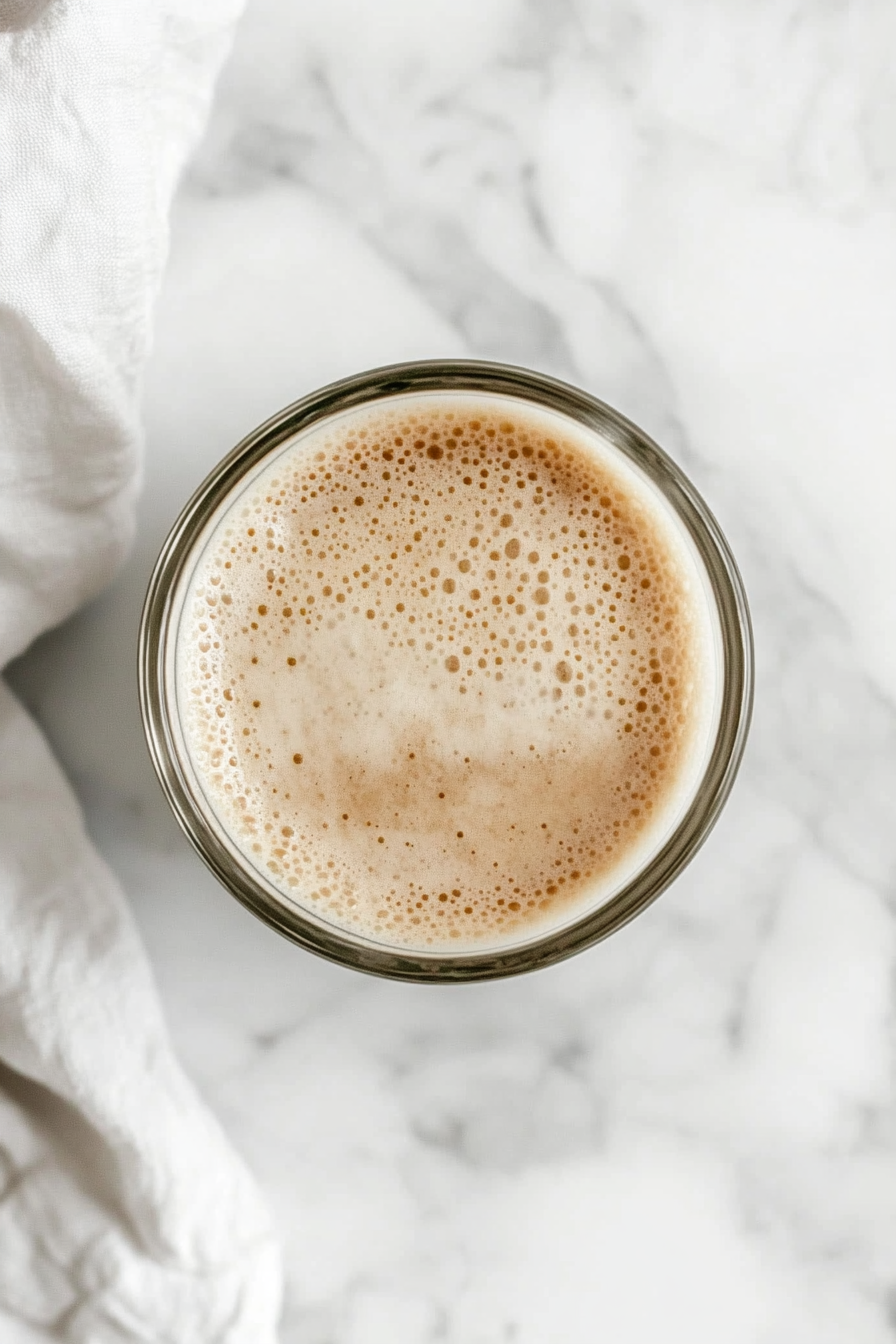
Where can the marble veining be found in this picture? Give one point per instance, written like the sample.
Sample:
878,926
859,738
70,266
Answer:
688,1133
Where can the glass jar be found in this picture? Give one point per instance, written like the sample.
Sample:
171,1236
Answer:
185,790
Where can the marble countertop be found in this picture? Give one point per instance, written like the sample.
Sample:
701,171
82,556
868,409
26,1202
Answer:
689,1132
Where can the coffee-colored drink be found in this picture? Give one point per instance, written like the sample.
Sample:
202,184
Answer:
447,671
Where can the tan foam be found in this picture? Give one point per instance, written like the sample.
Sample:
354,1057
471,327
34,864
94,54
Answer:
445,671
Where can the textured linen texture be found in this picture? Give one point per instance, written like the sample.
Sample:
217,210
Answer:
124,1214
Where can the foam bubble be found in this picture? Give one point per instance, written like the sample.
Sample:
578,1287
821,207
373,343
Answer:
444,670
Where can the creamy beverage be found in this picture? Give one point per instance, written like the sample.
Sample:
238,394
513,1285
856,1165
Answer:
446,671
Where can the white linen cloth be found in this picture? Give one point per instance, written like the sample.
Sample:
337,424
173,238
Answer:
124,1214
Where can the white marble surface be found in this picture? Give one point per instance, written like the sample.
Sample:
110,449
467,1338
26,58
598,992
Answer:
688,1133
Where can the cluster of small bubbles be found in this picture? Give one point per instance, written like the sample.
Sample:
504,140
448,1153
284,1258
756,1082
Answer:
439,671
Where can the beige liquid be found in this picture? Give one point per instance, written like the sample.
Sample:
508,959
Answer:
446,671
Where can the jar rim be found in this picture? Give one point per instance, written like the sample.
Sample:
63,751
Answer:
158,634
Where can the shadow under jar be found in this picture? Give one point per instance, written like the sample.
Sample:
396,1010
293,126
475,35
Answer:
446,671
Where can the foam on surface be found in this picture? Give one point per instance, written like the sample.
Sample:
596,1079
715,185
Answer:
445,669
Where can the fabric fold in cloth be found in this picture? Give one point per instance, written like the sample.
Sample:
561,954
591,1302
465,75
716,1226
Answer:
124,1213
